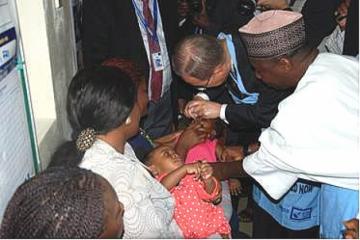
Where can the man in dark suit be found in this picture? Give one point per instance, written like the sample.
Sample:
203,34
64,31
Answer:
210,17
122,29
246,109
213,73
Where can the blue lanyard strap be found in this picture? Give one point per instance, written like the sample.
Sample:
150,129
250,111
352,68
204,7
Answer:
251,98
143,21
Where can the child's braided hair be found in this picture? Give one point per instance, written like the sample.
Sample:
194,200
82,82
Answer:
58,203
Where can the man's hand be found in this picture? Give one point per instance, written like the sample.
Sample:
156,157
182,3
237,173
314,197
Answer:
202,109
206,170
234,186
191,136
352,229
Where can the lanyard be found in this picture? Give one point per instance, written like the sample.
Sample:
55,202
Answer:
143,21
251,98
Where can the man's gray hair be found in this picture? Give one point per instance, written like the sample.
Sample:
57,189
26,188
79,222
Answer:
198,56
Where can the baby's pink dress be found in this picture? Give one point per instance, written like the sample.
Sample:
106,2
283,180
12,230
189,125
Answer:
196,217
207,151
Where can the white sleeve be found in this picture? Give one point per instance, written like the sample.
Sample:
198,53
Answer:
313,137
273,179
222,113
142,219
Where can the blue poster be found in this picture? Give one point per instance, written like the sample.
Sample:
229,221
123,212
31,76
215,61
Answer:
8,49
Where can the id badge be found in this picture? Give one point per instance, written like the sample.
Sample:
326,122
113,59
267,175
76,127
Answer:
157,61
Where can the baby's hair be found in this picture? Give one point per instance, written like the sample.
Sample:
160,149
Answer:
58,203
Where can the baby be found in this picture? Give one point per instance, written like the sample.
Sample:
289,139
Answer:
195,191
211,149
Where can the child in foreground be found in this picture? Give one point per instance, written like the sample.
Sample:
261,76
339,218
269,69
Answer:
195,191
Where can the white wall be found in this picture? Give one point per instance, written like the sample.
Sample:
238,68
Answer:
48,41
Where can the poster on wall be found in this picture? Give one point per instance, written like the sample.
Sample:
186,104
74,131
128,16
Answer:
16,151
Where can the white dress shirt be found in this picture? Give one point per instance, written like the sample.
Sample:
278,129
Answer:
167,78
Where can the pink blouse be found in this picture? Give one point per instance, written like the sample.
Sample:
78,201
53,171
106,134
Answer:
203,151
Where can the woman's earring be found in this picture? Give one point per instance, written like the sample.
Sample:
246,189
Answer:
128,121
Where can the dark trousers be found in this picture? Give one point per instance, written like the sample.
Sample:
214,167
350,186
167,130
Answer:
264,226
159,119
234,224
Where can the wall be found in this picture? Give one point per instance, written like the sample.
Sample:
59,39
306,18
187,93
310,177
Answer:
48,41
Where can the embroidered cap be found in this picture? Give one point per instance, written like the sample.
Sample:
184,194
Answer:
273,33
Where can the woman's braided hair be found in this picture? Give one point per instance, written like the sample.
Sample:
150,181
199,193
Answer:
58,203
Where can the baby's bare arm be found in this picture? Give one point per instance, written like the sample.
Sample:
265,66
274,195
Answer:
173,178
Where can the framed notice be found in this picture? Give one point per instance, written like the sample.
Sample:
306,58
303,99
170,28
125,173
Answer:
18,152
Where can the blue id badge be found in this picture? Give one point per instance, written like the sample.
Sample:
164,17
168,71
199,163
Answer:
157,61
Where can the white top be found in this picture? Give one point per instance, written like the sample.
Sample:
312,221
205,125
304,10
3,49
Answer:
315,134
167,77
148,205
334,43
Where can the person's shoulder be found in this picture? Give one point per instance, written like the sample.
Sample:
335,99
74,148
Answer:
101,153
336,61
330,66
329,78
331,71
